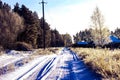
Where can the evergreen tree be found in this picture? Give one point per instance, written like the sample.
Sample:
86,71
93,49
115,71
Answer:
17,8
22,26
116,33
1,4
47,34
76,38
56,39
83,36
67,39
30,34
6,7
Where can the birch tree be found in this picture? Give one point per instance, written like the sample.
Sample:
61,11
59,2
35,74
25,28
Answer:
99,32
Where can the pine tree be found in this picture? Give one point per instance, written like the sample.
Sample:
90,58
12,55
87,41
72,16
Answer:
1,4
56,39
17,8
76,38
30,34
67,39
116,32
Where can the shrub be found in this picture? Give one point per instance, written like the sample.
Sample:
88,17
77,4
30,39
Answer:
1,48
22,46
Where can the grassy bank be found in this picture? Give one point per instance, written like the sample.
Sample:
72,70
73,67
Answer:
104,61
47,51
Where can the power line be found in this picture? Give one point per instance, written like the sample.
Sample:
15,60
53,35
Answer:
43,22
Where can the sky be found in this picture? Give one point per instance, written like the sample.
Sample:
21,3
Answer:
72,16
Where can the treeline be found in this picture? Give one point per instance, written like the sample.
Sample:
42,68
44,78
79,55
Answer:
20,28
87,36
98,34
84,35
116,32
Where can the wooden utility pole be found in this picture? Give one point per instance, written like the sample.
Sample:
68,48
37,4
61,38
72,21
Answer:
43,22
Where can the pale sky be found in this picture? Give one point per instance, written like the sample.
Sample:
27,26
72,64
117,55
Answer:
75,17
71,16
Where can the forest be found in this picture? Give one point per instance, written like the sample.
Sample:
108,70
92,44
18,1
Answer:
98,35
21,29
93,53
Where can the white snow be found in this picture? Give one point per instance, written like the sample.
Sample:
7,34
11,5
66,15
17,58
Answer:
26,70
62,66
8,59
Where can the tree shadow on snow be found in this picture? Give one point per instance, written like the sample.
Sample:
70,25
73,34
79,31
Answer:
77,70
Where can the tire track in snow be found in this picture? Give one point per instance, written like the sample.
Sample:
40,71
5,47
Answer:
31,73
28,71
65,66
46,68
69,67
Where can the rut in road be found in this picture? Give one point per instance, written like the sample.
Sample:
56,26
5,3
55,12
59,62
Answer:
67,66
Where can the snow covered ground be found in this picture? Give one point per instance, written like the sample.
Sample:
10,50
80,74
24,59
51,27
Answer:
69,67
63,66
11,60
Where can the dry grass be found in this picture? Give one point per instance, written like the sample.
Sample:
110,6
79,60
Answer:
47,51
1,53
104,61
42,52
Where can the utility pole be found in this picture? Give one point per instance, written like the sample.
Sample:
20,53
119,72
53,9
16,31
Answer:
43,22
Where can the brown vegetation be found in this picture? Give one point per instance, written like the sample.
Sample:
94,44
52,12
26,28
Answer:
47,51
10,25
104,61
23,46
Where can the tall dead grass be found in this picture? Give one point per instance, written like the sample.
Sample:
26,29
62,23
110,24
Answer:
47,51
104,61
1,53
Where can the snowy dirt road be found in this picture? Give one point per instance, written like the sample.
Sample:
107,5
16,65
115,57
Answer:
64,66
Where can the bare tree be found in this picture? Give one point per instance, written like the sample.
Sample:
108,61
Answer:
100,32
10,25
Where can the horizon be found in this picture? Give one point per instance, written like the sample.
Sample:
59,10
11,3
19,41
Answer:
73,16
